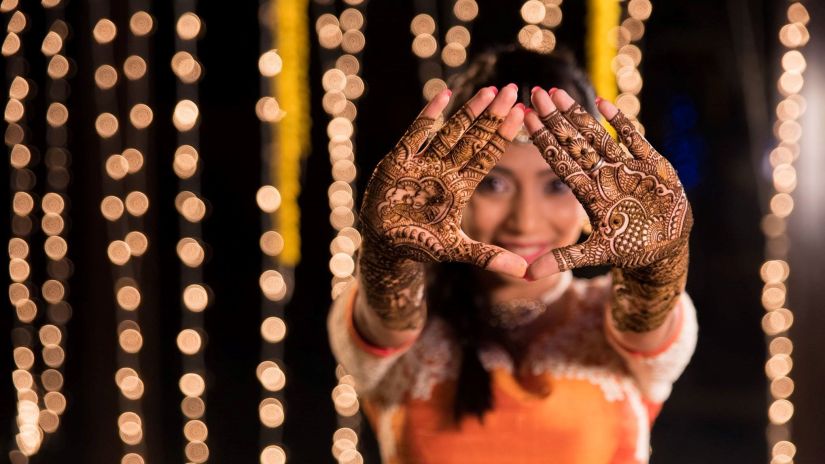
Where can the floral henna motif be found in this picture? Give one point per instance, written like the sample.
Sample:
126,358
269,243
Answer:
637,207
411,213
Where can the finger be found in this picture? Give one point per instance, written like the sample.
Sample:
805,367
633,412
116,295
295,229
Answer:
484,127
647,158
420,128
567,258
567,135
490,257
627,132
559,160
588,126
457,125
480,164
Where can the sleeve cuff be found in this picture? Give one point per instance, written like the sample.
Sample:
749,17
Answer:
678,313
362,343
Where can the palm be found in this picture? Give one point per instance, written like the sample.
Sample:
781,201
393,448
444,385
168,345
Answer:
636,204
414,199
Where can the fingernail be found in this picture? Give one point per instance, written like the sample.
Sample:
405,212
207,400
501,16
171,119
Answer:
512,85
534,89
494,89
527,110
449,92
598,100
552,91
520,106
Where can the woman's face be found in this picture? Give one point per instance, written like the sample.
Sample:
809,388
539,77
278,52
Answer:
523,206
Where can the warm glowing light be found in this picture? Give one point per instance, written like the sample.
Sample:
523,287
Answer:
195,298
188,26
348,64
190,252
134,67
271,412
141,23
106,125
353,41
137,203
780,411
130,340
424,45
119,252
454,54
270,63
797,13
112,208
138,242
273,329
533,11
459,35
128,298
185,115
104,31
330,36
189,341
192,384
422,24
273,454
106,76
272,243
465,10
52,44
20,156
192,407
268,198
272,285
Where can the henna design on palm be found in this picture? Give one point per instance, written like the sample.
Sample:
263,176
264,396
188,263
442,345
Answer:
638,209
411,213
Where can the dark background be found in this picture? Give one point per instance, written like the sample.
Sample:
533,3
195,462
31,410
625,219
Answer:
701,59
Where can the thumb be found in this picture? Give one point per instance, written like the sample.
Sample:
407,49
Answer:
491,258
566,258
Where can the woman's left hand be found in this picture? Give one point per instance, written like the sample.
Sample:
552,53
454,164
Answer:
636,204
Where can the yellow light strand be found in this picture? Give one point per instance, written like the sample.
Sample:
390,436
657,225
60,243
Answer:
290,21
778,317
602,20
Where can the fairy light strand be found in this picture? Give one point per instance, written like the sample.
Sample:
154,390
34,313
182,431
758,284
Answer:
123,208
29,436
625,64
275,288
774,272
190,248
342,86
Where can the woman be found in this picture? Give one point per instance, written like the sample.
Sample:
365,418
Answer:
504,357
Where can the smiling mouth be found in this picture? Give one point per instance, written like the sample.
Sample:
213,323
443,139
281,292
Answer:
530,252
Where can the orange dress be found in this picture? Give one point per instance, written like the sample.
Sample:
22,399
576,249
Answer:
599,407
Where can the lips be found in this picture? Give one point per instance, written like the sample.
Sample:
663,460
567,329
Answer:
530,251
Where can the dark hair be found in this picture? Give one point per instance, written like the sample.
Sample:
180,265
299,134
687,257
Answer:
453,288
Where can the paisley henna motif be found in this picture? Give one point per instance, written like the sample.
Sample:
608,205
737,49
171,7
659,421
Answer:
411,213
637,207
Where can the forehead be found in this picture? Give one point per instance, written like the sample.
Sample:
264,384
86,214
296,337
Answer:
524,159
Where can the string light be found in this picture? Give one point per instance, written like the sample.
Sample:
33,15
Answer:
343,86
774,272
192,210
278,146
453,56
122,147
540,18
40,402
625,64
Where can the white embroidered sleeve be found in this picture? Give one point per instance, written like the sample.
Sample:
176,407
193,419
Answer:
366,363
655,372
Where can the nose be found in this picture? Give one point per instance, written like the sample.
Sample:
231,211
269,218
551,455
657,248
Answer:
522,218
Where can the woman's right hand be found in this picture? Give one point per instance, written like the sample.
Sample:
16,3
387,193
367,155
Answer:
414,201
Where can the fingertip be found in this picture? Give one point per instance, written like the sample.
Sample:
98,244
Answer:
542,103
544,266
562,99
512,123
508,263
531,120
606,108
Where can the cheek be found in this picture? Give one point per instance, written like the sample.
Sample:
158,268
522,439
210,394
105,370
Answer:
565,216
483,216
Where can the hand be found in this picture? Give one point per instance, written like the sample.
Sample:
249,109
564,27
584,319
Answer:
414,201
635,201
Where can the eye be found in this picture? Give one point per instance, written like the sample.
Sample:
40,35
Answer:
493,184
555,187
